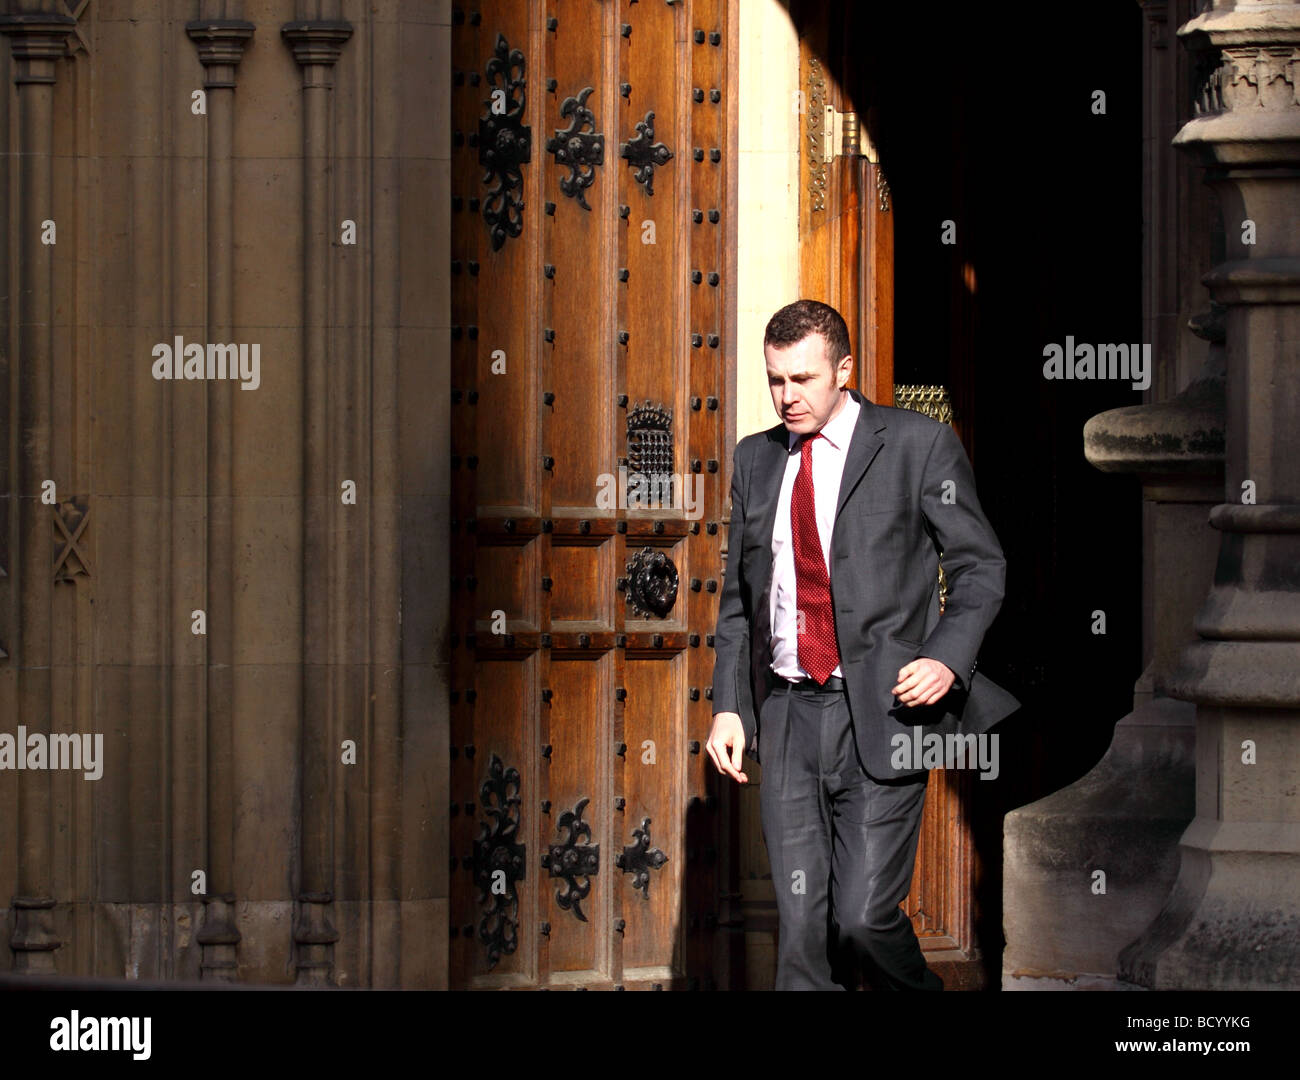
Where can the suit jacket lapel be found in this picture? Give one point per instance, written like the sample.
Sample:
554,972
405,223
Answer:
863,447
769,471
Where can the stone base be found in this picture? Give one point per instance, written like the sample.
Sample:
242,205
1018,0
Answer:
1233,919
1087,981
1125,818
156,942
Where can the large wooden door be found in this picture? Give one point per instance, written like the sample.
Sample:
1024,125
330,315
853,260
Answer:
591,243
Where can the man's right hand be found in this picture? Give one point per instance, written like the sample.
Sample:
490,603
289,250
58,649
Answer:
726,745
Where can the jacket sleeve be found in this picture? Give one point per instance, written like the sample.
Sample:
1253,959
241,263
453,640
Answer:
731,637
972,557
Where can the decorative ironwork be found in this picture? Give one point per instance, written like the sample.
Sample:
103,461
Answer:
504,142
580,150
934,401
652,583
639,858
570,860
650,453
642,151
816,135
70,520
499,861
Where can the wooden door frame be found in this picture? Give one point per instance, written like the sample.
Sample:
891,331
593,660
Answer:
846,224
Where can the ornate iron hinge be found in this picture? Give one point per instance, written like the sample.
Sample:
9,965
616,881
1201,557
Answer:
640,857
499,861
570,860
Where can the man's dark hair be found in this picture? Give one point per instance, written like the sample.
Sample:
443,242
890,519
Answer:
796,321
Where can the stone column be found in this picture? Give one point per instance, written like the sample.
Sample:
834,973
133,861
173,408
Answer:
37,40
1125,816
317,46
1232,920
221,45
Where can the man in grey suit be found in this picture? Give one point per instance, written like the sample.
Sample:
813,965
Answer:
831,651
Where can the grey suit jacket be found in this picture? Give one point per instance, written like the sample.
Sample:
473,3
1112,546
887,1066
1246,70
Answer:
907,493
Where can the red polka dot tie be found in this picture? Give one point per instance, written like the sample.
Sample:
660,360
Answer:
818,652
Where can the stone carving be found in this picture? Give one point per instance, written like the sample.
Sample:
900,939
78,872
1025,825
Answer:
70,520
1231,79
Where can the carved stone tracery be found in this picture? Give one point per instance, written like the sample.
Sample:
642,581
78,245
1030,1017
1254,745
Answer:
1230,79
70,521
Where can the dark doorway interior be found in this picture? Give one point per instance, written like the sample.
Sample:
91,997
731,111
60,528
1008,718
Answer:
990,124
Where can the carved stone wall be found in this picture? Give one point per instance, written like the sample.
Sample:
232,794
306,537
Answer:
235,586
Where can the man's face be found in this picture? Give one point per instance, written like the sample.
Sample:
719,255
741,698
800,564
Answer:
806,389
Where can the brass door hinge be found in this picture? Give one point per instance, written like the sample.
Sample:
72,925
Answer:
842,136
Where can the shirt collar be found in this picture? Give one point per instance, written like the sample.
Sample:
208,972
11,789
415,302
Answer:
838,429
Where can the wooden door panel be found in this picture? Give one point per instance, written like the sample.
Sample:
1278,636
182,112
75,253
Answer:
578,774
940,900
500,765
579,292
611,319
652,778
504,574
650,301
582,591
505,305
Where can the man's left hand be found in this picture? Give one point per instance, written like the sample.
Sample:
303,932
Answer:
923,682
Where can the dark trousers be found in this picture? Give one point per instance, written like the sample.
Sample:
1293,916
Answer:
841,847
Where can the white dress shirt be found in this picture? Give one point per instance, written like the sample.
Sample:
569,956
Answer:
828,455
